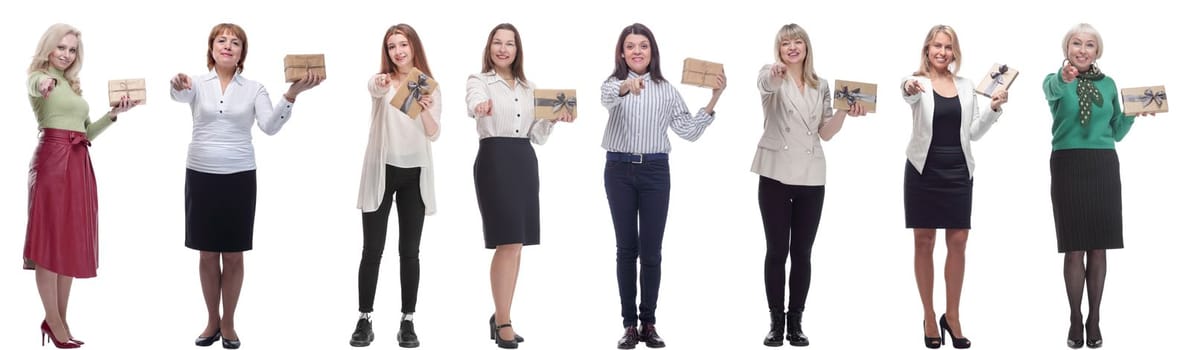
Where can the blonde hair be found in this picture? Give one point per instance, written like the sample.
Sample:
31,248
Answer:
956,56
1084,28
791,32
47,45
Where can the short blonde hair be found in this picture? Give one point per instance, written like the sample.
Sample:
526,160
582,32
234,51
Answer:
956,56
48,43
791,32
1084,28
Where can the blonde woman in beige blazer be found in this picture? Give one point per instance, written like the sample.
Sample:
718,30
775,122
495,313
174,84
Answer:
789,160
938,174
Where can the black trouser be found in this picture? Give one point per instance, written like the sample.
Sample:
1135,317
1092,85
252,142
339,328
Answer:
790,215
411,212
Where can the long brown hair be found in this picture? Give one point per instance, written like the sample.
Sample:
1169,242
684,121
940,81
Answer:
655,56
419,55
518,60
234,30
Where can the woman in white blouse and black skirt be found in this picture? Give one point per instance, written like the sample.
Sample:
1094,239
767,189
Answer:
398,169
790,161
642,106
938,173
506,168
221,170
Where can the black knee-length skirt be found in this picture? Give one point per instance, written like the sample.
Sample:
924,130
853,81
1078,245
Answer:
941,196
1085,193
506,177
220,211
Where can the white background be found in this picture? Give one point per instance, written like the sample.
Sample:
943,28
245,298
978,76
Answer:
300,290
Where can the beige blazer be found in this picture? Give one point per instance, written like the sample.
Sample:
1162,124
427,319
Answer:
790,150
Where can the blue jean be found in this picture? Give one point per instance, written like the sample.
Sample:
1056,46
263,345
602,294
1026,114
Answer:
639,198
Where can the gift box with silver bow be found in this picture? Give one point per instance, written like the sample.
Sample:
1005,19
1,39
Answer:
550,103
1150,99
411,90
998,78
847,93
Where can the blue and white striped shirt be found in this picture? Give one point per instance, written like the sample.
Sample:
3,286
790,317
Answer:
638,123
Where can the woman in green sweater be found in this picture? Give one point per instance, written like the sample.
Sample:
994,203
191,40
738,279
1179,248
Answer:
61,241
1085,187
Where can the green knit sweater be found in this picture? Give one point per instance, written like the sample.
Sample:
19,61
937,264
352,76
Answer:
63,109
1107,124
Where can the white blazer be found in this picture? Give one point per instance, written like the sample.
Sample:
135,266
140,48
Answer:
790,150
973,124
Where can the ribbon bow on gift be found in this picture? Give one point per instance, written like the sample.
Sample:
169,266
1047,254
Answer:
998,78
1148,98
415,92
853,95
558,103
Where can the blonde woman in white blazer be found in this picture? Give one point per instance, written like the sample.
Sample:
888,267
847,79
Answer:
792,169
938,175
398,170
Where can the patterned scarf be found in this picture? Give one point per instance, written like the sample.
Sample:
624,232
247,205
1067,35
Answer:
1088,93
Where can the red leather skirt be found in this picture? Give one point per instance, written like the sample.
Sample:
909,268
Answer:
62,234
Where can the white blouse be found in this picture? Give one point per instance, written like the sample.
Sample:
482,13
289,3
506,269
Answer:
398,140
221,140
512,108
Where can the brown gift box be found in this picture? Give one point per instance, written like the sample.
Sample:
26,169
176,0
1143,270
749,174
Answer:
296,66
133,88
848,93
550,103
409,91
700,73
998,78
1144,99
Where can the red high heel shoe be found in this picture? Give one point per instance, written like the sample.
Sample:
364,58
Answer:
47,333
80,342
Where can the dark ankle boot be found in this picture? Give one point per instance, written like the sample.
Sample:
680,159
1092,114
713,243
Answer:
777,328
794,329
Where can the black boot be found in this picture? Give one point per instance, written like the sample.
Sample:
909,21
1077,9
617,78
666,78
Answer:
406,337
777,325
794,329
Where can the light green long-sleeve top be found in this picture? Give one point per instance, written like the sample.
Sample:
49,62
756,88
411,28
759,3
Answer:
63,109
1107,125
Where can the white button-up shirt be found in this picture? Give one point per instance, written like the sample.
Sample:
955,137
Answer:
221,140
512,108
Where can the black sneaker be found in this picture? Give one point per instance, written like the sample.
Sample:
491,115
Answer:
406,337
363,335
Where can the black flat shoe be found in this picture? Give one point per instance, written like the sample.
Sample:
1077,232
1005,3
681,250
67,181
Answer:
363,335
630,338
650,336
231,344
958,343
406,337
207,341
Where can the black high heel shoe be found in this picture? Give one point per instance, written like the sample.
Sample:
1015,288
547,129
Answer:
501,342
207,341
931,343
1098,341
492,327
1075,336
958,343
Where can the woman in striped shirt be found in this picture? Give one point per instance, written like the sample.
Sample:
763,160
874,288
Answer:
642,105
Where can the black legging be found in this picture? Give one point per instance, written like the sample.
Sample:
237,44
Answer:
411,213
790,215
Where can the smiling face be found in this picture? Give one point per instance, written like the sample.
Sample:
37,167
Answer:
636,52
503,48
792,51
65,53
400,52
226,50
940,52
1082,50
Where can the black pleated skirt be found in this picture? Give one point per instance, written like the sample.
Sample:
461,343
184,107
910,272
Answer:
941,196
220,211
506,177
1085,193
